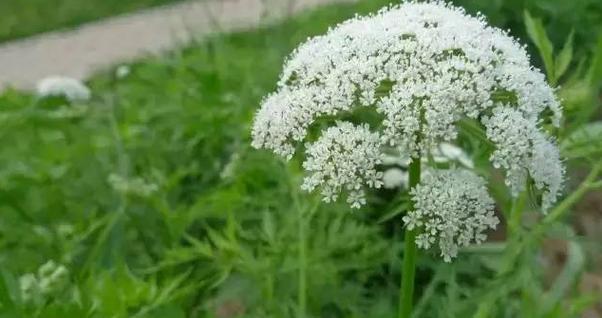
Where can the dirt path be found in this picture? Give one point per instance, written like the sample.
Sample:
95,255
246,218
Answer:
79,52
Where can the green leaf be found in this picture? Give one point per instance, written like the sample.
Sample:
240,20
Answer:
563,60
594,75
473,128
200,247
393,212
585,142
583,302
537,33
6,301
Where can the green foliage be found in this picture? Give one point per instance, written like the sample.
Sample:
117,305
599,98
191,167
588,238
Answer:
152,199
24,18
537,33
560,17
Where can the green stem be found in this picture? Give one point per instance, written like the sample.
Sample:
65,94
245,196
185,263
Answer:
269,290
516,213
302,292
408,271
563,207
515,249
305,216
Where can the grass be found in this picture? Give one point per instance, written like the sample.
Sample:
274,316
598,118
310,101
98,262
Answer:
24,18
177,122
154,202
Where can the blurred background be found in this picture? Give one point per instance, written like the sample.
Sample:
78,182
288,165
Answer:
128,187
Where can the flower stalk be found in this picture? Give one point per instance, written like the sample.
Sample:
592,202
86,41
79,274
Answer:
302,292
410,253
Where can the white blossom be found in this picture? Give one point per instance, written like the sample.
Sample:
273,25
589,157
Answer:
452,208
422,67
395,178
28,285
122,71
523,150
446,152
344,158
547,170
50,279
72,89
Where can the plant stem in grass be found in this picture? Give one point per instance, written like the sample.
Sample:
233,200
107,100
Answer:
302,297
516,247
408,271
305,215
565,205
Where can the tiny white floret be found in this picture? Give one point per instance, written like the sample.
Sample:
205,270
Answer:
72,89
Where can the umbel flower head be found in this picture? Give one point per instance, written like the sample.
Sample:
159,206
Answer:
452,208
422,68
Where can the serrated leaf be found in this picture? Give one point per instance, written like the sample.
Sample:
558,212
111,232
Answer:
563,60
537,33
594,75
585,142
219,239
268,227
6,301
203,248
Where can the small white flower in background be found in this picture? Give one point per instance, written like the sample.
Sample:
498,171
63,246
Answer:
65,230
395,160
72,89
446,152
443,153
452,209
229,97
29,287
230,167
51,278
66,112
395,178
134,186
122,71
47,269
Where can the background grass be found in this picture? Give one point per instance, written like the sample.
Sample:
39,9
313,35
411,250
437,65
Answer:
21,18
152,198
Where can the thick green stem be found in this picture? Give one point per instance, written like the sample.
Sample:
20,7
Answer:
516,214
302,292
408,271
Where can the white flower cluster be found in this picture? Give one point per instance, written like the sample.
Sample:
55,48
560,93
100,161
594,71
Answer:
395,178
344,158
522,150
422,67
452,208
72,89
134,186
50,278
122,71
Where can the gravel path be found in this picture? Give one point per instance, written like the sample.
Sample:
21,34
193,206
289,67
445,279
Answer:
79,52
